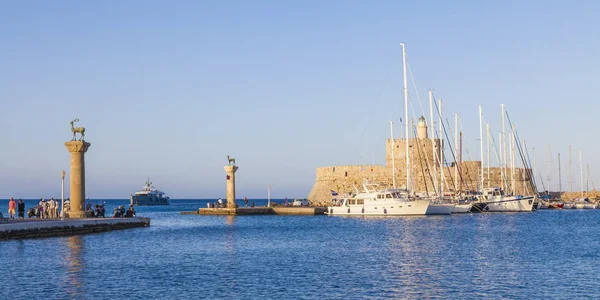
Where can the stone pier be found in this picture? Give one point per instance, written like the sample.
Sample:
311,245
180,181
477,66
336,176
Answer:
77,178
230,170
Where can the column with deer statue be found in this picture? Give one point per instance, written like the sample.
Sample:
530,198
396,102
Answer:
77,174
230,170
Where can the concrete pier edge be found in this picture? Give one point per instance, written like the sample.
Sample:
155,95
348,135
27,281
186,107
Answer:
68,227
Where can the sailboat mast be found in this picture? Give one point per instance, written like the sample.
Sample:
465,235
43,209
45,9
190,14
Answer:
548,170
460,155
512,160
455,149
587,180
523,171
441,153
406,115
570,171
533,171
488,153
393,149
559,175
504,160
481,144
581,175
433,147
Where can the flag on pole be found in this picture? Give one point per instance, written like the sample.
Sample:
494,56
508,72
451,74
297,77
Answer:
334,193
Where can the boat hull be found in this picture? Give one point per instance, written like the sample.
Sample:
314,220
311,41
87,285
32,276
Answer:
408,208
511,205
439,209
462,208
567,205
142,200
479,207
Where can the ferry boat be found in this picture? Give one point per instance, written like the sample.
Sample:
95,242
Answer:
374,202
149,195
498,202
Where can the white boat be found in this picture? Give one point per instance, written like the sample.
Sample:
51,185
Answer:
440,208
583,204
374,202
462,208
149,195
497,202
567,205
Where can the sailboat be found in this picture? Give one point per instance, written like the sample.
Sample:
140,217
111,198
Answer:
437,206
462,206
374,201
495,197
568,205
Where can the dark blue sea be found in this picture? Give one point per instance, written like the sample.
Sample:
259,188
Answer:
550,254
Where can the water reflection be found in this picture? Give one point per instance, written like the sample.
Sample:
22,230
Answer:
75,266
231,268
230,219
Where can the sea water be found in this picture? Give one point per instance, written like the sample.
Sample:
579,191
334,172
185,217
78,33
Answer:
543,255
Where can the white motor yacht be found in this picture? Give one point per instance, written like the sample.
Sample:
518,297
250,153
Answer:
375,202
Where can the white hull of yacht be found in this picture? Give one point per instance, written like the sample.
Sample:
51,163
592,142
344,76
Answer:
589,206
462,208
416,207
567,205
511,205
578,206
439,209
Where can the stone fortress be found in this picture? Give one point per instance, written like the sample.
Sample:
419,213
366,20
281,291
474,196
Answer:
343,179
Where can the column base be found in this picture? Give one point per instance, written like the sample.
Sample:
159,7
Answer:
78,214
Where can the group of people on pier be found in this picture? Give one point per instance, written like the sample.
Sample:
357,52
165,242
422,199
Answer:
221,204
49,209
46,209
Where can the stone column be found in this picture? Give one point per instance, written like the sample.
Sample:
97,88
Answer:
230,170
77,180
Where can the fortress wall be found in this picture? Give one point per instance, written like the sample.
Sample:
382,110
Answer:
419,150
342,179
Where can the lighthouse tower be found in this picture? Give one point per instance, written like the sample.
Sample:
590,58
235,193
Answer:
422,128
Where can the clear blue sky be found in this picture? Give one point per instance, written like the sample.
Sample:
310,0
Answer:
167,89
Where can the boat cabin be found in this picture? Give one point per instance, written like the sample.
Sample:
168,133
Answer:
495,191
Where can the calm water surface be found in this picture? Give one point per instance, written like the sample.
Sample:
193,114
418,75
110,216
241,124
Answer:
547,254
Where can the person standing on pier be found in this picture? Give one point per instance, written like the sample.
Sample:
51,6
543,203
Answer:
41,208
21,209
52,208
12,205
245,202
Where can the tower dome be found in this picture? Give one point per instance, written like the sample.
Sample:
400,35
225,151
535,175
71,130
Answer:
422,128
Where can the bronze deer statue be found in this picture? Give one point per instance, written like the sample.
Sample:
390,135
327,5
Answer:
231,160
75,130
